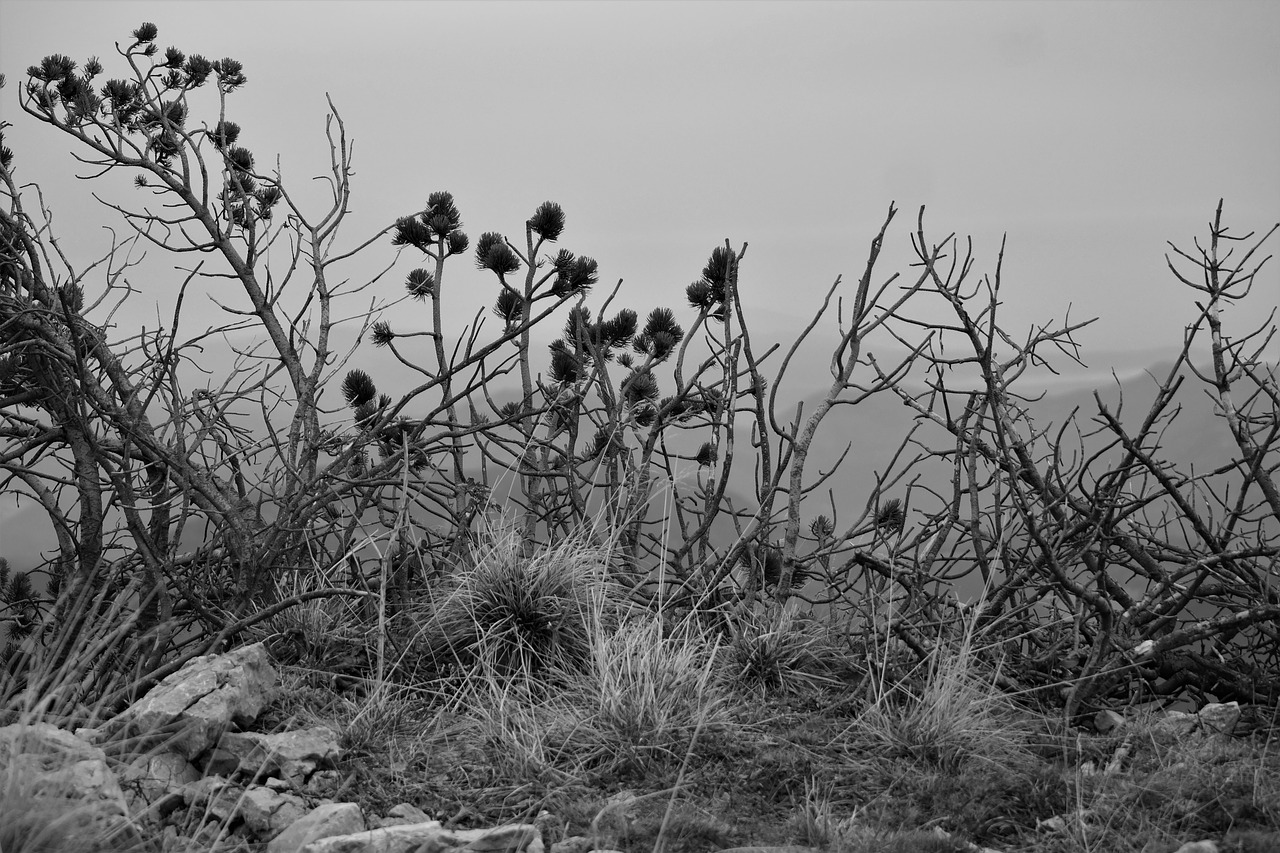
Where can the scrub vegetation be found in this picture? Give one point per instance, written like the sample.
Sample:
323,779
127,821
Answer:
604,579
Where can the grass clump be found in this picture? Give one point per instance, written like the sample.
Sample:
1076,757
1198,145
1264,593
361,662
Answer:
512,612
773,650
647,694
946,713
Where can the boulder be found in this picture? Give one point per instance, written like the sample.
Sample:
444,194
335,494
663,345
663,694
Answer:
291,756
60,787
197,704
324,821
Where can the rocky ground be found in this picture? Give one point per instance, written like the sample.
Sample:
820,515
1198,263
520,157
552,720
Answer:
235,752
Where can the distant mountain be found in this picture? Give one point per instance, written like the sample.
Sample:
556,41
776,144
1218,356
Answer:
1196,439
872,430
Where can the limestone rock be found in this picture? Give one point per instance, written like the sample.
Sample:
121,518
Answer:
431,837
1199,846
403,814
267,813
60,786
292,756
409,812
324,821
205,698
1107,721
573,844
212,796
46,760
324,783
151,776
389,839
1220,718
1174,725
513,838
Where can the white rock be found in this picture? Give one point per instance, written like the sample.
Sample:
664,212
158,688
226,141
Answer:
322,822
1175,724
390,839
1198,847
1107,721
205,698
1220,718
152,775
292,756
267,813
431,837
64,784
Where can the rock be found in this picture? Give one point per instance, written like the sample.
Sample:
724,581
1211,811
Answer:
409,812
513,838
268,813
59,787
783,849
390,839
325,821
205,698
573,844
292,756
1107,721
1057,823
324,783
403,814
1199,846
432,837
214,797
265,813
151,776
1220,718
90,735
1174,725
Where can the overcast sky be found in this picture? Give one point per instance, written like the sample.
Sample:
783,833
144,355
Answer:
1090,132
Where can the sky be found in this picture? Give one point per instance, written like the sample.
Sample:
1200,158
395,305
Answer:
1087,133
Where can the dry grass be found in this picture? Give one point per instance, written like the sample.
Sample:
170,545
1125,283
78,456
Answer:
649,732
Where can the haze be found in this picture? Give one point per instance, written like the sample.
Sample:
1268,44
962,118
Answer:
1089,133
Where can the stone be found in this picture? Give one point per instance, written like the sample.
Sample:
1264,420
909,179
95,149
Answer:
1198,847
409,812
209,696
1174,725
267,813
1107,721
432,837
573,844
292,756
61,786
150,776
389,839
403,814
512,838
1220,718
783,849
324,783
324,821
